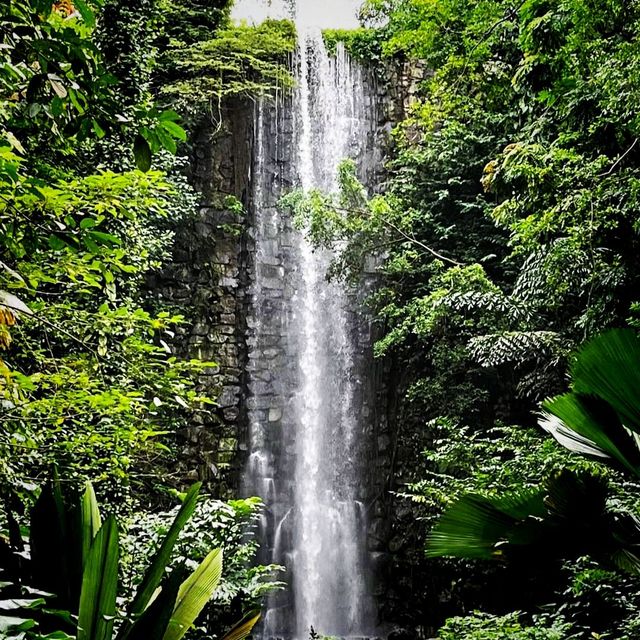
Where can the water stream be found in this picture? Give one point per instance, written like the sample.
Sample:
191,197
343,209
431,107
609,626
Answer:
306,399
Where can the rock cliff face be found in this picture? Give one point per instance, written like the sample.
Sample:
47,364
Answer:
213,278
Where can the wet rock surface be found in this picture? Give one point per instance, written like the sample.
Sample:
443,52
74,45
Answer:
210,280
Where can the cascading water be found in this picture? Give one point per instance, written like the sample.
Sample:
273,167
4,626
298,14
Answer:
306,397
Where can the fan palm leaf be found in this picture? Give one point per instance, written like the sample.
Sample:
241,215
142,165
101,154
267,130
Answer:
600,417
608,367
478,527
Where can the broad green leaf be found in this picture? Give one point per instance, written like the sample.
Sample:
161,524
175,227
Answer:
88,223
174,129
86,12
167,141
20,603
34,109
142,153
97,129
57,242
475,526
169,116
152,138
104,238
14,142
194,594
8,623
75,98
155,572
100,585
57,85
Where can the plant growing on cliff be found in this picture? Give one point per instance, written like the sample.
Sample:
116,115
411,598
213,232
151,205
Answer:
239,61
363,45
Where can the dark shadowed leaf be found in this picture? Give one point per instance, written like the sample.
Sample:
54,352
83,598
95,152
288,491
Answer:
142,153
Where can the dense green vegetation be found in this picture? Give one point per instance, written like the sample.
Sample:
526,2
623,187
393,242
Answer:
508,236
74,557
91,389
241,61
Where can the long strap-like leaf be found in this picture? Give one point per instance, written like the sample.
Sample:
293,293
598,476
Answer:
194,594
155,573
244,628
91,521
153,623
100,585
51,555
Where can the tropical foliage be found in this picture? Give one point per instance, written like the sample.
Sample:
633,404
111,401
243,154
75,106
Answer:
569,514
240,61
505,238
505,241
73,563
509,627
91,194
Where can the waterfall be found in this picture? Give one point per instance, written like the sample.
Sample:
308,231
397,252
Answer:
306,394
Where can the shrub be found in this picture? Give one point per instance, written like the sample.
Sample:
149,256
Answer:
482,626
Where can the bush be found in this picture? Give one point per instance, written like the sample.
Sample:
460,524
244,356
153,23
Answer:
229,526
482,626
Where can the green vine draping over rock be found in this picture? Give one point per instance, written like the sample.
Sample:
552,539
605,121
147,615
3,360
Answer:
240,60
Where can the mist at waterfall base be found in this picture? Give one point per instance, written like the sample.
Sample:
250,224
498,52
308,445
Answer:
305,404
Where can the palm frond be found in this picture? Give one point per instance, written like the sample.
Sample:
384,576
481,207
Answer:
609,367
590,426
477,526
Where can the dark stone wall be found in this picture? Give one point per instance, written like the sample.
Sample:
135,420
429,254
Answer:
209,279
206,280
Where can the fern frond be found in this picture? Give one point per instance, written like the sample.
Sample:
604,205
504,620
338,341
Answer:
508,308
516,347
539,274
